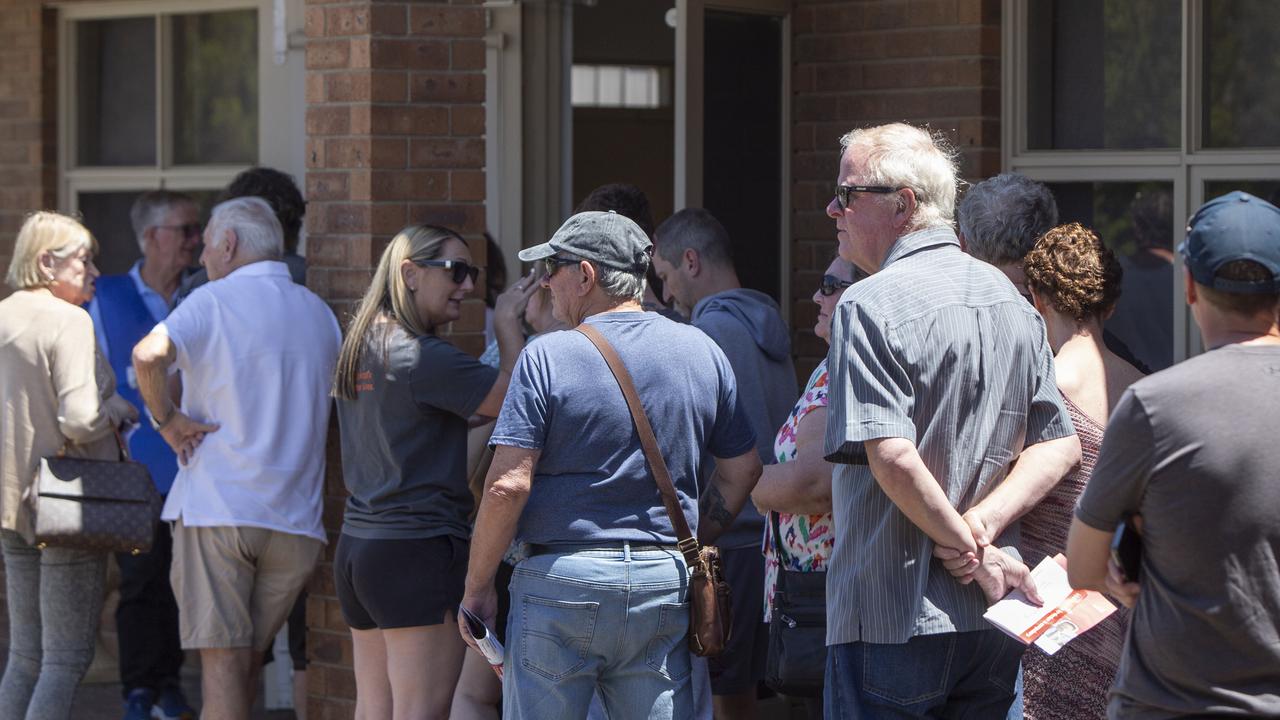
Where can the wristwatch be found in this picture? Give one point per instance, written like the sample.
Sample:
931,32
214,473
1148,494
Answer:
158,425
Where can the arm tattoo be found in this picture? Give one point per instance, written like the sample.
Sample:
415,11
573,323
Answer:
712,505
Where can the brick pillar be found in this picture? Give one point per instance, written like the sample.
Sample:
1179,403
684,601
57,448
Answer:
28,163
28,77
867,63
395,135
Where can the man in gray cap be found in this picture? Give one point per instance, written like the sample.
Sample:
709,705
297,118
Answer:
1192,451
600,603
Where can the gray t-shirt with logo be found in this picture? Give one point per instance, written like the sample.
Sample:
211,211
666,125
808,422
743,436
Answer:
404,437
1194,450
592,482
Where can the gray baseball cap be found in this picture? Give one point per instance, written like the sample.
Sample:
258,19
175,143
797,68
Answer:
606,238
1236,226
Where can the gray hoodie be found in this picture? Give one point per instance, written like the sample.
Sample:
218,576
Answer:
748,327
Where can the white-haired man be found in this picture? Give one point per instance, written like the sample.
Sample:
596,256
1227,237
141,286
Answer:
124,309
940,377
257,353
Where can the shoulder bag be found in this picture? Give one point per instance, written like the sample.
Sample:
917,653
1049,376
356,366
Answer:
710,612
102,505
797,661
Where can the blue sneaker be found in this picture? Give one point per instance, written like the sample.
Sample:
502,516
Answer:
172,705
137,706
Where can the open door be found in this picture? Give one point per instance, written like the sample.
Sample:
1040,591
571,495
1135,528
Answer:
731,144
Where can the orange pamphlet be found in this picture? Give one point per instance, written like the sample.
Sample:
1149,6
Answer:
1066,614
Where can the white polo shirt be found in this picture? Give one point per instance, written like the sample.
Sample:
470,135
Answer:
257,353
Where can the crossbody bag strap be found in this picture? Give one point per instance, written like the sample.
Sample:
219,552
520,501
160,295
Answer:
687,543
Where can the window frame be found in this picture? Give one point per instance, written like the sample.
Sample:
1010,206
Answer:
281,104
1187,167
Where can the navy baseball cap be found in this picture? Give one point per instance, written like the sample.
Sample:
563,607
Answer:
1236,226
606,238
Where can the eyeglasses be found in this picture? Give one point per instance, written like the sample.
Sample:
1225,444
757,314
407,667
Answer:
189,230
551,264
830,284
461,270
842,192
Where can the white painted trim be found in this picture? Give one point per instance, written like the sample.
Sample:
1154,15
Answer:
504,140
689,93
78,10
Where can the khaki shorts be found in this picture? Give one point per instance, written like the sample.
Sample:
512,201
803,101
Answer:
236,585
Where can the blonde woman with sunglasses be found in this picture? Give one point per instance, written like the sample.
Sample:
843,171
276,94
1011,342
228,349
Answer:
406,397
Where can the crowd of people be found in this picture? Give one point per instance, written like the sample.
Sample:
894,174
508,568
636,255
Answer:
972,418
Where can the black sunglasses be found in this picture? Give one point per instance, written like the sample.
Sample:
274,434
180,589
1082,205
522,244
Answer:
551,264
188,230
842,191
830,284
461,270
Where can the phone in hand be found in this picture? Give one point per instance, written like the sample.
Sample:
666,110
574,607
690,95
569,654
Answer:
1126,549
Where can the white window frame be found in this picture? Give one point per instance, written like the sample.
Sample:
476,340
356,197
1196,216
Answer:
281,102
1186,167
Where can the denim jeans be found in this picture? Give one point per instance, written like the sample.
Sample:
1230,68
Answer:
55,598
612,621
953,675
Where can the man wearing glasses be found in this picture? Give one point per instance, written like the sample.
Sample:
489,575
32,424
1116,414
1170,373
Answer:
940,376
125,308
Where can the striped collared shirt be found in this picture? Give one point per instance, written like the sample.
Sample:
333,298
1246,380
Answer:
940,349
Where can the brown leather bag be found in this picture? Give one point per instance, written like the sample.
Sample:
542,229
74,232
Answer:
710,611
103,505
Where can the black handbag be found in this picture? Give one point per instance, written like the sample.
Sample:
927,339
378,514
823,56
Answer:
103,505
797,662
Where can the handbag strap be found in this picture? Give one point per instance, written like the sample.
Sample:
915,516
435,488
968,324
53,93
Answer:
687,543
121,446
781,583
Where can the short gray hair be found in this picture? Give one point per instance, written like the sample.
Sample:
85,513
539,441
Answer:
902,155
1002,217
695,229
149,209
258,232
617,284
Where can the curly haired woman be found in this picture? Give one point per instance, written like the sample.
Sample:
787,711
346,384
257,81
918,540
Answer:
1074,282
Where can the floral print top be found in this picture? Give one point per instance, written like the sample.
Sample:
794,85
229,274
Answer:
806,539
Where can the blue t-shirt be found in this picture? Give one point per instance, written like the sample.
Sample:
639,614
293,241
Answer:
591,482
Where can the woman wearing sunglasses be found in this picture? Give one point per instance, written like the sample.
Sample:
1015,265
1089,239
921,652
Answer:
405,399
796,491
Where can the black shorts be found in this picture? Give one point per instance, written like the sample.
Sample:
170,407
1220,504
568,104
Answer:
399,583
741,666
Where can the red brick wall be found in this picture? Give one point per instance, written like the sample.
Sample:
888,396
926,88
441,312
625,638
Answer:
28,165
395,135
865,63
28,120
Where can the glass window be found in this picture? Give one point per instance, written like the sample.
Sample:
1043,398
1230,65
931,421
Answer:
1135,220
616,86
1268,190
1241,61
106,214
215,87
1104,74
115,91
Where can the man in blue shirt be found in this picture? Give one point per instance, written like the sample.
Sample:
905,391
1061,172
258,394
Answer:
601,601
125,308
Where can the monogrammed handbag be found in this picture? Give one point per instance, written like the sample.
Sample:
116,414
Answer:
710,610
105,505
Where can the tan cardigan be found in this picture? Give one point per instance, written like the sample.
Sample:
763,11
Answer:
53,386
